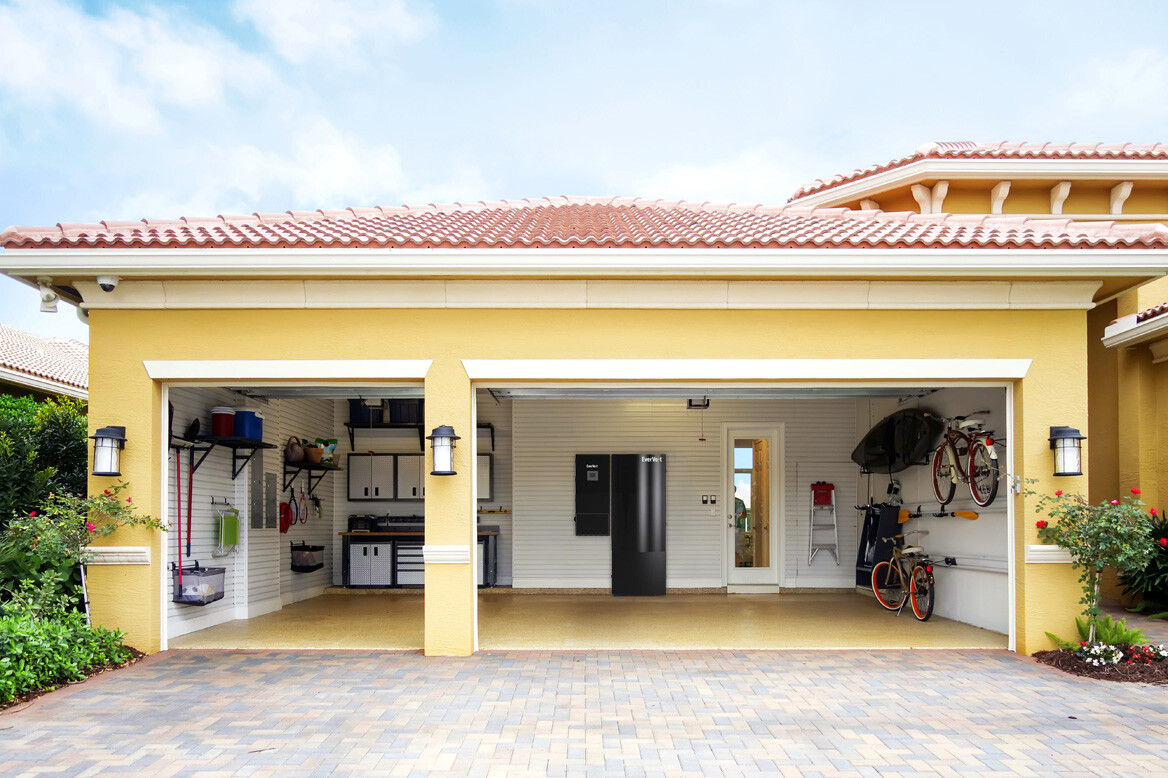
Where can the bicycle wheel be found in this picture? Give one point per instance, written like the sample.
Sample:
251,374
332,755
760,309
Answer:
888,585
922,593
944,477
983,473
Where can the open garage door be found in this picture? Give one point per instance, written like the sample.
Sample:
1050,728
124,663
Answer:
742,570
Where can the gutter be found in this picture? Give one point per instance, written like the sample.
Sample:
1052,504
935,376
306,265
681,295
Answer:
217,262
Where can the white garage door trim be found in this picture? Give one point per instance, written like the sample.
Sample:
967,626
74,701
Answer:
744,369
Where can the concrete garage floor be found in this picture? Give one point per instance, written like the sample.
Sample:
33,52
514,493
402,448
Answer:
392,620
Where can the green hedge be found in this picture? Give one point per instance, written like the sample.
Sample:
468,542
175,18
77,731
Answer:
41,653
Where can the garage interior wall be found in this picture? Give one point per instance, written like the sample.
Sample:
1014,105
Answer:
259,576
819,436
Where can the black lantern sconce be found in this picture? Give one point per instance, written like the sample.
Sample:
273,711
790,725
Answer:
1067,444
442,441
108,443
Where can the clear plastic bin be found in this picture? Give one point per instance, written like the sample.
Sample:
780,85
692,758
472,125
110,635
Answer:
200,585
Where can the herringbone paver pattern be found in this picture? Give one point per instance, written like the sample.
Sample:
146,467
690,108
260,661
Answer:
842,713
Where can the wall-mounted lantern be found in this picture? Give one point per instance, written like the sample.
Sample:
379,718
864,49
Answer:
1067,444
442,441
108,443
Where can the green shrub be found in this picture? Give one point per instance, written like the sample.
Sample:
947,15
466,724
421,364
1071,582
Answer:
1113,533
47,544
1150,582
44,643
43,450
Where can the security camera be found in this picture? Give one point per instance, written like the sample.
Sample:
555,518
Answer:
107,283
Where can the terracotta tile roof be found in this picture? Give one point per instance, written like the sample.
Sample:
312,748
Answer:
61,360
1151,313
1004,150
591,222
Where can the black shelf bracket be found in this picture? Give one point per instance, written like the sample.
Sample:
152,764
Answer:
207,443
314,473
386,425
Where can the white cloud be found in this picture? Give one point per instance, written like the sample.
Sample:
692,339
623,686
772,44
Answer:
767,173
120,70
1133,85
321,167
346,30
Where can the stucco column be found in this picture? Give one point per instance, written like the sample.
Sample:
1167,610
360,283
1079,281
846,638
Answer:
127,596
451,593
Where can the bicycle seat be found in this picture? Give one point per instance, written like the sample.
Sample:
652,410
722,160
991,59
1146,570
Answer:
967,423
912,550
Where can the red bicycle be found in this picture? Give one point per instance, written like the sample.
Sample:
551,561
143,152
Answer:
967,454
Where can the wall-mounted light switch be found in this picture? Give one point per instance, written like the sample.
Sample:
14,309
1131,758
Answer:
705,499
713,499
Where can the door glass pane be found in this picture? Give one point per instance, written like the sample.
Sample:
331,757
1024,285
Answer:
751,498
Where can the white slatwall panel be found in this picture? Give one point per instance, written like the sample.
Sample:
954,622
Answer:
499,414
306,419
974,596
212,479
548,434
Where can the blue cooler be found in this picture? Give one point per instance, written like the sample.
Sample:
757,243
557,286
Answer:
249,424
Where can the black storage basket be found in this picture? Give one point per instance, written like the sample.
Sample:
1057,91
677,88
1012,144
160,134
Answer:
200,585
306,558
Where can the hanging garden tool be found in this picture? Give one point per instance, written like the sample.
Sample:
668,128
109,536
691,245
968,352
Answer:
191,435
971,515
228,528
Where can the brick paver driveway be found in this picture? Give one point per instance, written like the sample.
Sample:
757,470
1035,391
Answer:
650,713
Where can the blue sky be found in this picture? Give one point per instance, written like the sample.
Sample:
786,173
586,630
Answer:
125,110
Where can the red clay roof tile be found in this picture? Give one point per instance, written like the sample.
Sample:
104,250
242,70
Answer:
1004,150
57,359
591,222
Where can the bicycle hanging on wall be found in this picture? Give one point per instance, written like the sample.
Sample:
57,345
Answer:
966,454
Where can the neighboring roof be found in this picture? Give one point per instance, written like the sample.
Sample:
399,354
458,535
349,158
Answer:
1004,150
565,222
49,365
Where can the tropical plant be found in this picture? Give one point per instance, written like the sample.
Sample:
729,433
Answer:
1112,533
1150,582
1114,633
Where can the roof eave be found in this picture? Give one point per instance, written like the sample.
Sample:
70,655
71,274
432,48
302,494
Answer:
585,262
929,168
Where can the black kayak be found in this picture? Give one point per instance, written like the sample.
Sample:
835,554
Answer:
899,441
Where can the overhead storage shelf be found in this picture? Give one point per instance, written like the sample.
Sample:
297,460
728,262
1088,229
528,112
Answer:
205,444
401,425
315,472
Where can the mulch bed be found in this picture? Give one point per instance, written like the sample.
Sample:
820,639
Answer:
1065,660
27,697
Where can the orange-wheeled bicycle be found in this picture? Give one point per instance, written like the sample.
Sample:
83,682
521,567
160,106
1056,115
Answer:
907,577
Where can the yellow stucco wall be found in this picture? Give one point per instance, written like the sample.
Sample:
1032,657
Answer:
1054,392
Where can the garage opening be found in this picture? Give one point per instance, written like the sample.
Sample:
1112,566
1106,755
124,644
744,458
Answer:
745,564
750,561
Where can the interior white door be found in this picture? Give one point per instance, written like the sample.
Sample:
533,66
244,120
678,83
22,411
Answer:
753,515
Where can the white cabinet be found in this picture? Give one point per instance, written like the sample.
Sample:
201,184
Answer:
370,476
370,564
484,474
410,482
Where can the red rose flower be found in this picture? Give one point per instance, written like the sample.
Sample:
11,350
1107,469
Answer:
32,513
1163,542
1115,502
1041,524
1135,491
1059,493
